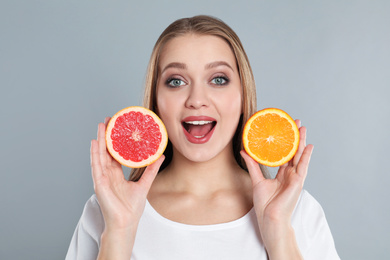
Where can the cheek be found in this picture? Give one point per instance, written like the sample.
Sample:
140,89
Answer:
161,102
162,107
234,103
233,110
167,108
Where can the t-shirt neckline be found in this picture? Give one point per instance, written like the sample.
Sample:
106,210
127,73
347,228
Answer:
207,227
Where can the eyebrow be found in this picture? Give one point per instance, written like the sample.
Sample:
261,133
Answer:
176,65
217,64
183,66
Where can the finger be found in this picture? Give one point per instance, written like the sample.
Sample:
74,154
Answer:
102,144
283,166
95,162
110,161
301,147
298,123
291,163
253,168
150,173
304,161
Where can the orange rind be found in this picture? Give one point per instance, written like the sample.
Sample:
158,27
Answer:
271,137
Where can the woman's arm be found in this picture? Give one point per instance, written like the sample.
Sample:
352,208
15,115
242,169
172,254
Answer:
121,201
275,199
117,244
280,241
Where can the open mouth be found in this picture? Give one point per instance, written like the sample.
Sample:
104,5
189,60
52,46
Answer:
200,128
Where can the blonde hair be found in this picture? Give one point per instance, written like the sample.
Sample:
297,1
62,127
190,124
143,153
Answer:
203,25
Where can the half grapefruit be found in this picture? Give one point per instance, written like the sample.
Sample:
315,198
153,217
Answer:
136,137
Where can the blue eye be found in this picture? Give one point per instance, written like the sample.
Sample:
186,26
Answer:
220,81
175,83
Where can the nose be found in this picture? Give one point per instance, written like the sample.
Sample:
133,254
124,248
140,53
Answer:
197,97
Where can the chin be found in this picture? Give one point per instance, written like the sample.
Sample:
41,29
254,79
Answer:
201,155
201,158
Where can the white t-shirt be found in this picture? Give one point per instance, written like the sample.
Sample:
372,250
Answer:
163,239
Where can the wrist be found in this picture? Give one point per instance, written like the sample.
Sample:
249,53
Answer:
280,241
122,233
117,243
119,234
120,227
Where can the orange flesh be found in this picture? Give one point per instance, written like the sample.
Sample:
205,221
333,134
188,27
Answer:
271,144
271,137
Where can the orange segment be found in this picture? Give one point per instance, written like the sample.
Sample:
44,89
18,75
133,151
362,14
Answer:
271,137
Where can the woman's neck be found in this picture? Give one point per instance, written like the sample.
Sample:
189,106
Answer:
218,190
202,178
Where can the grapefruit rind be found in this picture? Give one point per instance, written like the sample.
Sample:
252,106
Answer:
152,158
247,129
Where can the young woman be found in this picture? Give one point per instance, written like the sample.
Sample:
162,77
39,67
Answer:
205,198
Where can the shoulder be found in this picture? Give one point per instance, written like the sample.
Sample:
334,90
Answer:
312,230
92,204
86,238
308,213
92,221
308,204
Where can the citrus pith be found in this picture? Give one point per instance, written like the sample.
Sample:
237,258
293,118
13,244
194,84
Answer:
136,137
271,137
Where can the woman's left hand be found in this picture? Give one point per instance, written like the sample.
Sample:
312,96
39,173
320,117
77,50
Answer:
275,199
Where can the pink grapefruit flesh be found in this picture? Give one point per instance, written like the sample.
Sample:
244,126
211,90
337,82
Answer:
136,137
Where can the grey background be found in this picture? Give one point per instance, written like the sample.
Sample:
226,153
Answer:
65,65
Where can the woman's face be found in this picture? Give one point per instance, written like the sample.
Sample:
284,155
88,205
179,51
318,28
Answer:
199,95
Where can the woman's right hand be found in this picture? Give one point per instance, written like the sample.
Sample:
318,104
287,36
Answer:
121,201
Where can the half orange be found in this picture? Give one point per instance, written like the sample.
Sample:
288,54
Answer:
271,137
136,137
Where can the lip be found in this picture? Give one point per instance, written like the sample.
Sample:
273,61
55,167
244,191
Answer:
205,138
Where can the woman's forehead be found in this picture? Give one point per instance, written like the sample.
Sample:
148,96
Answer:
193,49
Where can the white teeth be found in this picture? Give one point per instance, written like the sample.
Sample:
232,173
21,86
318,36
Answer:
198,122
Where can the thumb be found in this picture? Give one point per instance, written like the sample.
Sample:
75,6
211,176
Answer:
253,168
150,173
